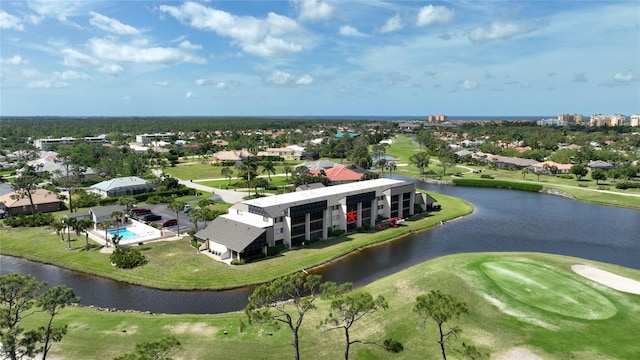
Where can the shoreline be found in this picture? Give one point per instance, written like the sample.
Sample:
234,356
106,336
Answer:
407,232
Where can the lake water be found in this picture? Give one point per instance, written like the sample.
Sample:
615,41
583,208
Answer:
503,220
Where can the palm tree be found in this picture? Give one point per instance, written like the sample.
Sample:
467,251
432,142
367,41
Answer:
105,225
177,207
72,223
117,215
58,226
85,225
269,168
228,173
196,215
420,160
287,170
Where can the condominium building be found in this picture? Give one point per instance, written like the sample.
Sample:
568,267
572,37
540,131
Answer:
437,118
635,120
148,138
253,225
575,119
47,144
606,120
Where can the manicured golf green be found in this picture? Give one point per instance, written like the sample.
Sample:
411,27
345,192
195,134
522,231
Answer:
548,289
503,319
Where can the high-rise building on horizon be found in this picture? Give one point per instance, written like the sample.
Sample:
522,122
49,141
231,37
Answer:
635,120
598,120
575,119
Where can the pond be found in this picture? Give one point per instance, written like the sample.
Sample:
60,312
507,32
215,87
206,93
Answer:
503,220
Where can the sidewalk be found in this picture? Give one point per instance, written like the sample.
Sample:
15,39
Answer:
228,196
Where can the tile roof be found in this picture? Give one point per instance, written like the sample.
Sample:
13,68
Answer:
340,173
39,196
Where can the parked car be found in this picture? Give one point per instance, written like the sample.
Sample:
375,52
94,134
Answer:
151,217
140,211
169,222
187,208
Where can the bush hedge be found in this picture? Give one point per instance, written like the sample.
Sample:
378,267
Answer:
503,184
627,185
38,219
127,258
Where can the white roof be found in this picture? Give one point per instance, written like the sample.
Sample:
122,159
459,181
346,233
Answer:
119,183
321,193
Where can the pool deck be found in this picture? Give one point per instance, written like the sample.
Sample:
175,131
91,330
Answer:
147,234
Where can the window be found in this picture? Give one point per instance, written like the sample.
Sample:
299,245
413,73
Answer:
335,218
335,207
239,212
278,231
279,219
380,207
265,218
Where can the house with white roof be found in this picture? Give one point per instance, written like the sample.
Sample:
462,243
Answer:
130,185
251,226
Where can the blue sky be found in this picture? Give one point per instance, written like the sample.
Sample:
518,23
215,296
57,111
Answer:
319,57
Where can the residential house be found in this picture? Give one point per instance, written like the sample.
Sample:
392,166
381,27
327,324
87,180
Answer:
339,174
131,185
599,164
43,201
232,155
551,167
285,153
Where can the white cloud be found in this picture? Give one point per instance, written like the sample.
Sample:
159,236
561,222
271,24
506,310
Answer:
190,95
46,84
348,30
126,98
71,75
187,45
279,77
202,82
75,58
162,83
468,85
623,77
393,24
314,10
8,21
111,69
14,60
260,37
304,80
497,31
109,50
60,10
431,15
111,25
221,85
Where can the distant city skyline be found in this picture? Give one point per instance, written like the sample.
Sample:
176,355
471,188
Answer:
319,58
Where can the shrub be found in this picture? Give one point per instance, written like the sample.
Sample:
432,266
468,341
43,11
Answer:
565,176
38,219
498,184
337,232
237,262
275,250
627,185
393,346
127,258
486,176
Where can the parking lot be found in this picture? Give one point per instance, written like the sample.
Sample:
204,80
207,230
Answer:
184,219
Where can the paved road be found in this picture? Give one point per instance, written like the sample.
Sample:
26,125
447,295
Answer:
228,196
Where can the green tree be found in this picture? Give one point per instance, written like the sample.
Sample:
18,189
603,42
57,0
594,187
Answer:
85,225
228,173
52,302
269,168
71,223
162,349
268,302
446,163
105,225
25,185
420,160
177,207
346,310
598,175
287,170
117,216
441,308
579,170
18,296
127,201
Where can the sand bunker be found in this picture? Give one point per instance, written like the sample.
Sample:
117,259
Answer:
608,279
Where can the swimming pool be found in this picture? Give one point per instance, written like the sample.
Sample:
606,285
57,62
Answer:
124,232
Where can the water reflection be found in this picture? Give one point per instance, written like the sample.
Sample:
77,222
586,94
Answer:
503,220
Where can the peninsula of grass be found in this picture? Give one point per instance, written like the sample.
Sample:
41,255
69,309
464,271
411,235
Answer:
502,184
176,265
520,305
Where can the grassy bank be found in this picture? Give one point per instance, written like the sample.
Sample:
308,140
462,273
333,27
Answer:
176,265
577,319
502,184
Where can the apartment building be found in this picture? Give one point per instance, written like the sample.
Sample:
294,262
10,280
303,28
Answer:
606,120
253,225
50,143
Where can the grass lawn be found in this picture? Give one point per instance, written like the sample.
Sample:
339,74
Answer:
562,316
172,265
